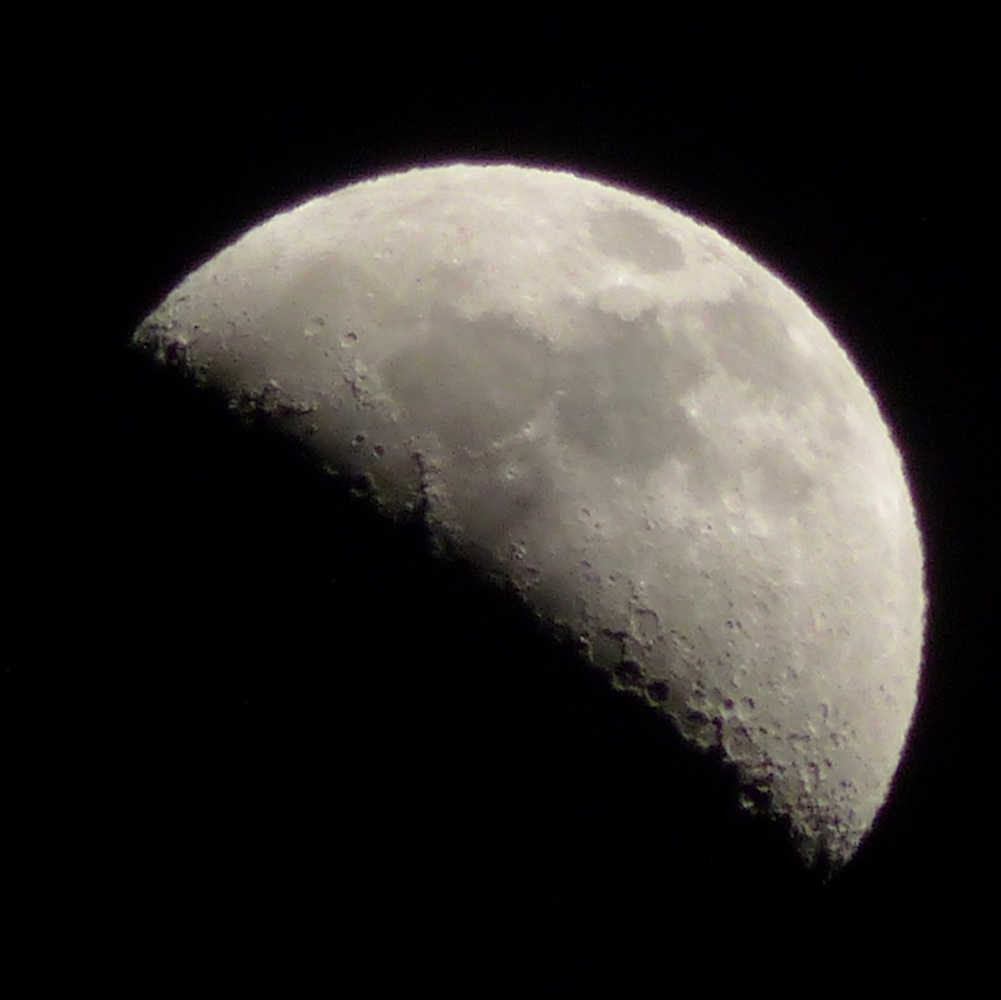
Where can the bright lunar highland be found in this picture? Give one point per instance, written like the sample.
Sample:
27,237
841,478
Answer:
618,414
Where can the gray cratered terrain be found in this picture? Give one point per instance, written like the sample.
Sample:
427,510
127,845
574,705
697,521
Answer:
620,415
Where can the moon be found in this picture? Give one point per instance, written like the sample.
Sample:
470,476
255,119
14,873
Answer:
612,411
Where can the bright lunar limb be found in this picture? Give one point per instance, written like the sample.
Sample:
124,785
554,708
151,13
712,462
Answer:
619,414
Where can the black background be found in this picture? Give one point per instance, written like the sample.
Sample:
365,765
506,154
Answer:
253,738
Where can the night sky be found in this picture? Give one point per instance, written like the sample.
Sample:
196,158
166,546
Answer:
256,739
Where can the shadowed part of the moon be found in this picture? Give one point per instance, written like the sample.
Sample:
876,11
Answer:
282,721
632,237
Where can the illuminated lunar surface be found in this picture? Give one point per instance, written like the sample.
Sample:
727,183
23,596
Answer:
616,413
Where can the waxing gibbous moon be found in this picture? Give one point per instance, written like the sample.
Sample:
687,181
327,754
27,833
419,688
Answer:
618,414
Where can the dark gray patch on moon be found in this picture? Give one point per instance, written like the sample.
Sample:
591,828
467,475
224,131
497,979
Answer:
751,343
505,488
472,382
785,484
632,237
476,384
619,401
